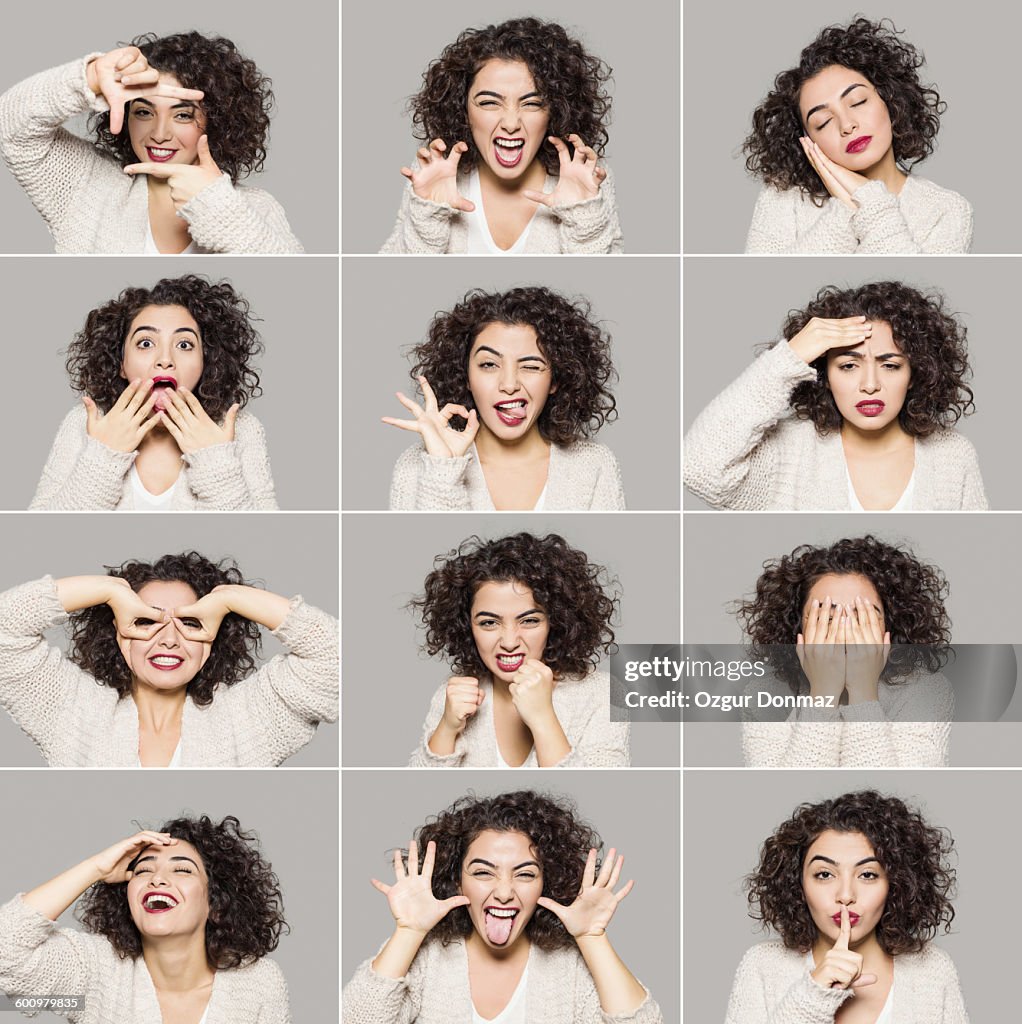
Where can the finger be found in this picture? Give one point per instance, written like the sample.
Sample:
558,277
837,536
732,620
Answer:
563,156
413,859
139,74
403,424
811,622
548,904
863,980
205,157
149,424
92,416
429,860
231,418
399,866
410,404
543,198
606,868
616,873
116,115
156,170
471,424
145,408
172,428
126,395
424,155
428,394
377,884
200,632
191,402
626,890
408,173
460,148
438,147
450,409
846,930
174,92
127,56
589,874
454,901
142,393
843,628
858,636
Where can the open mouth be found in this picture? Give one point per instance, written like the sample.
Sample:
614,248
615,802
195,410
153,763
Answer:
510,662
511,414
870,408
159,155
163,384
508,151
158,902
499,922
859,144
166,662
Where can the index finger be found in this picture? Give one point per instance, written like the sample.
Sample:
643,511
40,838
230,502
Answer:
846,929
171,92
156,170
428,393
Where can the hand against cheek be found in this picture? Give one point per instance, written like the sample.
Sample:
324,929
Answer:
186,181
128,420
867,651
411,898
112,863
819,336
532,692
596,902
461,702
133,618
821,649
189,424
839,181
433,424
579,176
201,619
840,967
437,176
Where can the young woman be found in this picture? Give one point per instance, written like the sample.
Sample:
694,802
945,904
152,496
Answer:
853,410
178,922
513,120
514,385
862,622
177,122
834,143
505,919
163,373
856,887
524,622
171,646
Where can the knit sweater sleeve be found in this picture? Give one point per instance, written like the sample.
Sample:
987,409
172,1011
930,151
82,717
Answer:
974,495
81,473
775,225
609,492
234,476
422,756
954,1011
805,740
591,226
48,161
422,226
596,741
371,998
587,1009
880,225
730,453
424,482
224,217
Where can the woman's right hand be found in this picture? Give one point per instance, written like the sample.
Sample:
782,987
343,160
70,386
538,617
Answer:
112,863
820,336
437,176
134,619
123,75
129,419
821,649
461,702
433,424
411,898
840,966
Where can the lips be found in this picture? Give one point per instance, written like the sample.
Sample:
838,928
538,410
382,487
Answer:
871,407
499,921
159,155
510,662
163,384
853,919
166,662
511,413
508,151
859,144
158,902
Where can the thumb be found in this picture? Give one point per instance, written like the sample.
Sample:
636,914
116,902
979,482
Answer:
863,980
229,419
552,905
91,412
537,197
454,901
205,157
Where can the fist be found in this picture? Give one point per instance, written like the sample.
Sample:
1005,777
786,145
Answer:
464,695
532,691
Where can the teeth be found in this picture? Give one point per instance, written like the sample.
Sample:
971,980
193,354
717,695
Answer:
520,404
158,899
160,152
501,913
165,660
510,143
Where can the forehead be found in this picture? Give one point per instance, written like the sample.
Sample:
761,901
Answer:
508,339
165,854
880,342
844,589
164,318
826,86
501,848
504,597
842,847
510,78
167,593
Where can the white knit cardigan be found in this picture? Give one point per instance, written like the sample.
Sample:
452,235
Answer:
583,476
560,990
90,205
82,473
773,985
582,706
37,958
77,723
746,450
589,226
923,217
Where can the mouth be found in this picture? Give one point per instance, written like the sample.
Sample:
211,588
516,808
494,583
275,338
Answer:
159,155
853,919
871,407
166,662
512,413
859,144
158,902
499,923
510,663
508,151
163,384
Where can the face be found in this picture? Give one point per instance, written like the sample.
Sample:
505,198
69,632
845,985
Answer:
846,117
503,880
168,892
841,869
508,627
869,382
163,130
164,345
841,590
168,660
510,380
508,118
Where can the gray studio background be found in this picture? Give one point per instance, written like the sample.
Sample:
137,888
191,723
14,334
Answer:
721,335
977,552
56,820
728,815
46,302
383,61
636,812
730,64
389,683
635,300
287,554
301,166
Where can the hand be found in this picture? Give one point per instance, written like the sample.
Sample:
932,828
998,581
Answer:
123,75
433,424
579,177
411,898
201,619
112,863
128,420
461,702
839,181
437,176
596,902
868,648
185,180
532,691
840,967
821,649
189,424
133,618
820,336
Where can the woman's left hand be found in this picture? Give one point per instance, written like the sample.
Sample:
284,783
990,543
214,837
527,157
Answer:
596,902
579,178
190,425
186,181
867,648
532,692
201,619
839,181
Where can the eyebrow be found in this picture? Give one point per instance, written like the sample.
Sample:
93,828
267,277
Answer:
825,106
156,330
524,864
500,355
176,106
857,864
152,856
500,96
885,355
494,615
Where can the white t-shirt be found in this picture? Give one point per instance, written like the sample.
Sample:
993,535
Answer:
480,241
151,249
146,501
514,1012
175,762
904,502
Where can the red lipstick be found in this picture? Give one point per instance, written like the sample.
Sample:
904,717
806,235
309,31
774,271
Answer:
870,407
853,918
859,144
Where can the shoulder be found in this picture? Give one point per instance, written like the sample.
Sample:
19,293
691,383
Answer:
257,197
923,189
587,453
76,419
930,960
948,444
769,956
248,426
780,201
263,978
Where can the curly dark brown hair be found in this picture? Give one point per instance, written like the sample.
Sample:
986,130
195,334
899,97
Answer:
237,100
914,855
911,593
94,646
560,838
931,337
571,81
579,598
229,339
246,906
578,350
874,49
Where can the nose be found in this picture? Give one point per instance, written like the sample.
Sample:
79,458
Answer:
846,892
869,384
503,890
165,356
508,378
163,127
510,119
509,638
848,120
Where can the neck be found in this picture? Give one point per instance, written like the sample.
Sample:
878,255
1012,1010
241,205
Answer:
533,177
479,952
492,448
886,170
158,710
877,442
178,963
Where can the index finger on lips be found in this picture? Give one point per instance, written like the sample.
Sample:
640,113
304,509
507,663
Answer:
846,929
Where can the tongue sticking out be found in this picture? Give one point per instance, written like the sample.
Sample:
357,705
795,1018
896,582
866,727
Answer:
498,929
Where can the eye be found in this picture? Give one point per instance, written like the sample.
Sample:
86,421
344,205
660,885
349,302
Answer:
486,623
870,876
533,104
141,112
183,869
144,622
532,620
488,364
142,869
526,876
823,874
859,104
846,366
144,343
823,124
185,345
185,115
481,873
487,103
191,623
536,367
892,366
